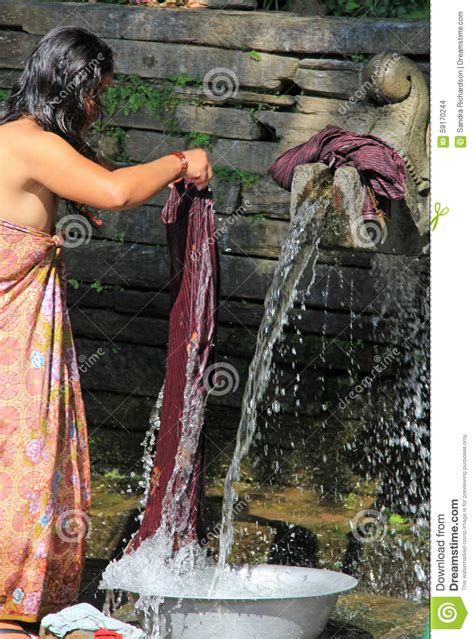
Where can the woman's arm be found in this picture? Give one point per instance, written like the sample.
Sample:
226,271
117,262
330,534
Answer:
57,166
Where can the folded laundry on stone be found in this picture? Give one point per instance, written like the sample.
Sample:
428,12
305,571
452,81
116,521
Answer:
86,618
381,168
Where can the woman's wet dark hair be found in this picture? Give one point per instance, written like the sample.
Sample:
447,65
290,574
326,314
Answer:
60,87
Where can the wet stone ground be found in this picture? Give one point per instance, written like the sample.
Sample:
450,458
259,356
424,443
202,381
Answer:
289,525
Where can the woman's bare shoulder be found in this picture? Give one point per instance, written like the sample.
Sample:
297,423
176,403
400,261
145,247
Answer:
28,142
19,135
25,123
25,127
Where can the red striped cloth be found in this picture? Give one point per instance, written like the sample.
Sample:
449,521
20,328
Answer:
379,165
189,218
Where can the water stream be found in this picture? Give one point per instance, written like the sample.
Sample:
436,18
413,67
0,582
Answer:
299,247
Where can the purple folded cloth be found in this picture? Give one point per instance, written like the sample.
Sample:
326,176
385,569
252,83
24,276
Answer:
381,168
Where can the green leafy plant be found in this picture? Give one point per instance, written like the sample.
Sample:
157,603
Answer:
397,520
115,133
183,80
4,94
227,174
404,9
359,57
97,286
73,282
198,139
129,94
255,55
132,94
120,237
261,106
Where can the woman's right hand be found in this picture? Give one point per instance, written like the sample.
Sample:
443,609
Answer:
199,168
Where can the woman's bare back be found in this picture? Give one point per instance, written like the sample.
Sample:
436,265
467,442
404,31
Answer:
23,200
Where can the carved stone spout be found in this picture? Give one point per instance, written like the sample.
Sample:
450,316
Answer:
397,84
396,111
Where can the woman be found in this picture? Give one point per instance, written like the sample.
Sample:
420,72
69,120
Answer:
44,460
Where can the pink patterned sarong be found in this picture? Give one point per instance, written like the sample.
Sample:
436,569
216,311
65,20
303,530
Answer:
44,456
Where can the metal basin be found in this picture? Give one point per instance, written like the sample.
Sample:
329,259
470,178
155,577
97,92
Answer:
296,603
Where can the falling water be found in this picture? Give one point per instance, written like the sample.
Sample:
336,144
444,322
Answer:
299,247
399,436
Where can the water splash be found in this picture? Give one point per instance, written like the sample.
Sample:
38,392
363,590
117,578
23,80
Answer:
149,446
395,437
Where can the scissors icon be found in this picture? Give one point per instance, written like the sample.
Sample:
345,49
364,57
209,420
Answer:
439,212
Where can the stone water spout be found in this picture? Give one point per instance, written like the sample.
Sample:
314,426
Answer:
403,121
397,111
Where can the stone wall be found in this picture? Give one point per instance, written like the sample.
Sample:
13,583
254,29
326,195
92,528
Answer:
294,75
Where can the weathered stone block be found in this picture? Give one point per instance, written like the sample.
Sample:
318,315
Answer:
224,122
268,198
261,30
244,155
231,4
332,83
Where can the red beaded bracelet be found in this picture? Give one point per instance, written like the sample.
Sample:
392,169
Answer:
184,162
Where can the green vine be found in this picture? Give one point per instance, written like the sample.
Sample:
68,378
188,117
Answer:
227,174
198,139
4,94
132,94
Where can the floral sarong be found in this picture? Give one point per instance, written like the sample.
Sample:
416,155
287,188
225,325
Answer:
44,455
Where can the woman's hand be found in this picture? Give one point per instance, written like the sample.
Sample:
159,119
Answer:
199,168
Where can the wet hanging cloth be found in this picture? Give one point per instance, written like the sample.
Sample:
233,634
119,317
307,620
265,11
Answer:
189,218
381,168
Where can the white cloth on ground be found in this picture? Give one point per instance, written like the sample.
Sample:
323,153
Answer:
83,616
